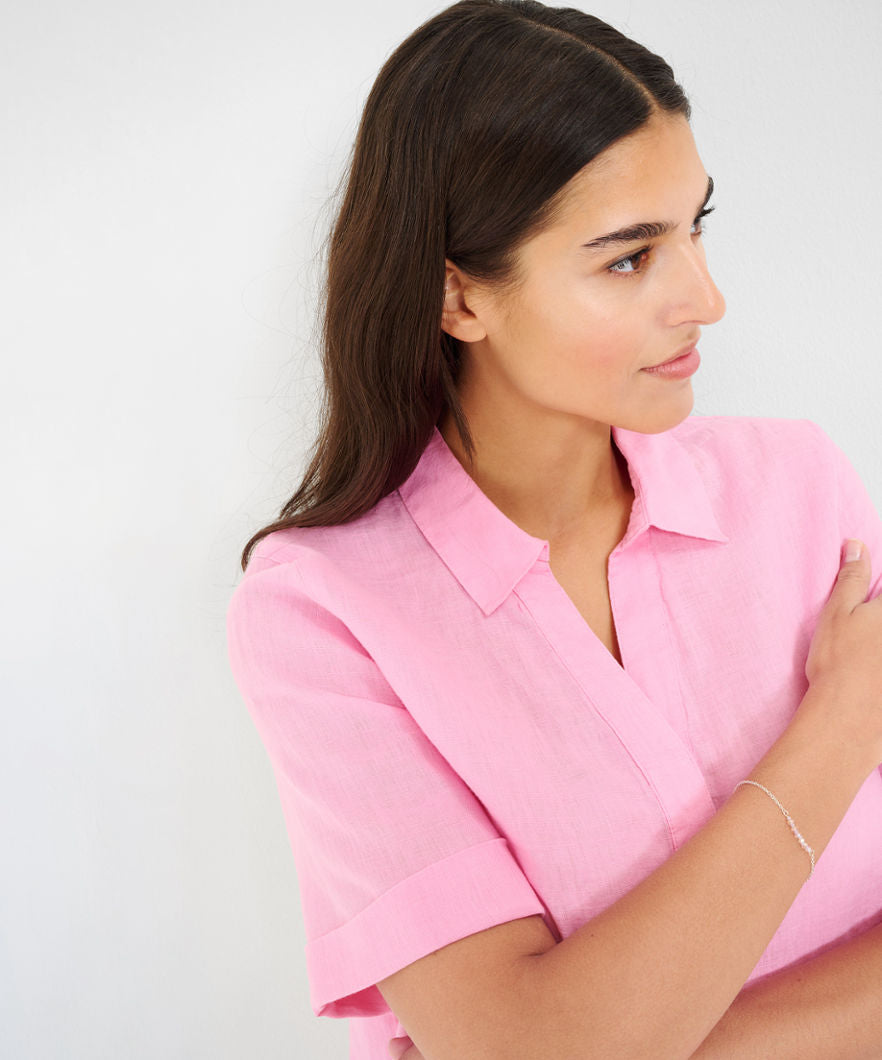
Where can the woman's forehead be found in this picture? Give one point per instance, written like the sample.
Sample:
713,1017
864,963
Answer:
651,166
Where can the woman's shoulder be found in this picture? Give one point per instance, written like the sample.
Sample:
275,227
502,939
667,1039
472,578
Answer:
748,435
316,577
750,464
367,543
757,449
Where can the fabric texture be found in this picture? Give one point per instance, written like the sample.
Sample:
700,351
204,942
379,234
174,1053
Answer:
455,748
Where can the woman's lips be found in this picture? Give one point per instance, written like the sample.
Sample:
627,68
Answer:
679,367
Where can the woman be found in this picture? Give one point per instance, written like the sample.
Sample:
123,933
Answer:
566,692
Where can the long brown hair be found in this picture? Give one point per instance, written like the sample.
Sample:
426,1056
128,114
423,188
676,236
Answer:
472,128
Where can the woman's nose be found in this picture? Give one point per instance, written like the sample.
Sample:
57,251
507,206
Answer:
695,296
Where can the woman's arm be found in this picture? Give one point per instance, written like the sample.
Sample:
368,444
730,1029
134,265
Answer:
826,1008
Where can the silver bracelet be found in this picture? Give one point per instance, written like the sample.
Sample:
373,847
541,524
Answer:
787,817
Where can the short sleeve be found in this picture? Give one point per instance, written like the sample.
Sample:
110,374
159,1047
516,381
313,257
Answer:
395,855
858,515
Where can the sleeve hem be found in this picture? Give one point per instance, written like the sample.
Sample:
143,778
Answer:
467,892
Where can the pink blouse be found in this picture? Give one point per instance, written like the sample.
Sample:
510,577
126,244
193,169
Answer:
455,748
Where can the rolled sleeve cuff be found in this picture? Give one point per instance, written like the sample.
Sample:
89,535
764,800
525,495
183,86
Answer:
474,889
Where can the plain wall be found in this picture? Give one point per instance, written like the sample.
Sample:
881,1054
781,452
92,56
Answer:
164,171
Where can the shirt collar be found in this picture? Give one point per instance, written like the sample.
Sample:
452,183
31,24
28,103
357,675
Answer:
489,554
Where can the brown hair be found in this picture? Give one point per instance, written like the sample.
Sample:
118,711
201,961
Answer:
474,125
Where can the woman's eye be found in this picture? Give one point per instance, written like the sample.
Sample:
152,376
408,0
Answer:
697,226
636,262
633,262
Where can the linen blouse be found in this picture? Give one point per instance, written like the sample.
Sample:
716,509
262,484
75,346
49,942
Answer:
455,748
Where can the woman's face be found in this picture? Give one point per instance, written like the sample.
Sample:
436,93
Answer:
575,334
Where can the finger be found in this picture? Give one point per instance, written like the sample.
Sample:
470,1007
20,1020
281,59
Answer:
853,580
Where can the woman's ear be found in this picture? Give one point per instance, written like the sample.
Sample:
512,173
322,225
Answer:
458,317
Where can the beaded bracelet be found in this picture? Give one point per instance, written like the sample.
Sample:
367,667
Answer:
788,818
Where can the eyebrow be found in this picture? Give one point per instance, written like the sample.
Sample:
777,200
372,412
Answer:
645,230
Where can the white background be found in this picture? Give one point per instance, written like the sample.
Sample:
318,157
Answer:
164,171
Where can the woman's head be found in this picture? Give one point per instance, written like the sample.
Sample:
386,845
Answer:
614,283
470,137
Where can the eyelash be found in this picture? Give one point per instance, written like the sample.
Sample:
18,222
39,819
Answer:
643,253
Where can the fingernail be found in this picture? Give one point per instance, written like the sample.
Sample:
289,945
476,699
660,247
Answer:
852,550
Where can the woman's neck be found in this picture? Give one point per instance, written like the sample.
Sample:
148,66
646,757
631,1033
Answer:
556,485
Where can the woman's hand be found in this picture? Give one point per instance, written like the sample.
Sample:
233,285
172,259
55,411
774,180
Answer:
404,1049
845,658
